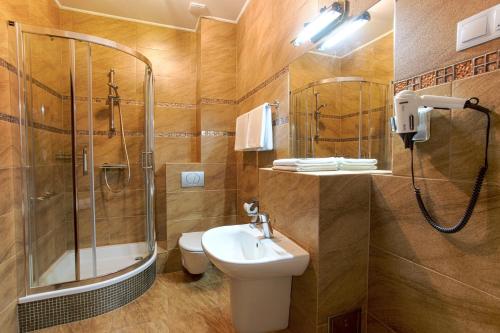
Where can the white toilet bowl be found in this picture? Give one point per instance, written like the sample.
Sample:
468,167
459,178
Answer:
193,256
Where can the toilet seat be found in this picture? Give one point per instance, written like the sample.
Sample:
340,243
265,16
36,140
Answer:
191,241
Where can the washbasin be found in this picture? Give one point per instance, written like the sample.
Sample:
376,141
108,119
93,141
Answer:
242,252
260,271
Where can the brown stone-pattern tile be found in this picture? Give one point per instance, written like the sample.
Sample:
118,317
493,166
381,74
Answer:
343,244
398,226
468,128
408,297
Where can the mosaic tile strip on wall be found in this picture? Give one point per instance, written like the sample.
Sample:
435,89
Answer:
64,309
484,63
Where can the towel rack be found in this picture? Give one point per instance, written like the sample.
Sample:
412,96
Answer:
276,104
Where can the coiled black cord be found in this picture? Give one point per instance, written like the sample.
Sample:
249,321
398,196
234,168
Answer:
472,103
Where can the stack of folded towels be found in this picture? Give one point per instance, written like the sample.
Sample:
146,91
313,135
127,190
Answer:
324,164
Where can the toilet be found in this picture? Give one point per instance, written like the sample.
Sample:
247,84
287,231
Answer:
193,256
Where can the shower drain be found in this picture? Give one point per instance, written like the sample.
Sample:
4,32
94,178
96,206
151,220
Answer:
138,258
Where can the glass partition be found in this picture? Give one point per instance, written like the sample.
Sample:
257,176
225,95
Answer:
87,113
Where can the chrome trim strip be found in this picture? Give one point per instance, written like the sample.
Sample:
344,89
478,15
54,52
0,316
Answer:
84,37
338,79
90,115
74,161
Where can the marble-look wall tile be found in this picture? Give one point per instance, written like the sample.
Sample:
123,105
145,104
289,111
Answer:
217,149
398,226
375,326
196,204
329,217
408,297
343,244
297,217
433,24
468,129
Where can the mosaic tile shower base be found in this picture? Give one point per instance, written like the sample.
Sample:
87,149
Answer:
64,309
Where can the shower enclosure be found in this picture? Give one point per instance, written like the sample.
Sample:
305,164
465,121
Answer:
87,188
340,116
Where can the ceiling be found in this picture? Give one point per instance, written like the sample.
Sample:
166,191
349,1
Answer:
172,13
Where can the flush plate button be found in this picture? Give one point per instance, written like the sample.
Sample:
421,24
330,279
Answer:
192,179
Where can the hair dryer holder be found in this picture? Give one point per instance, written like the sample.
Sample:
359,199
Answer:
424,125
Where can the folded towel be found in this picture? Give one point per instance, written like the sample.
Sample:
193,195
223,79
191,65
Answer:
240,141
306,168
353,167
357,161
304,161
259,135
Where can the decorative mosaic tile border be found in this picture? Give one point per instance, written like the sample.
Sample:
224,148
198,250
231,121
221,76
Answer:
176,134
218,101
484,63
264,84
217,133
175,105
8,118
108,133
194,134
280,121
4,63
64,309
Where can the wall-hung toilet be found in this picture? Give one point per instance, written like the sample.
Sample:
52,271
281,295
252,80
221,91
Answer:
193,256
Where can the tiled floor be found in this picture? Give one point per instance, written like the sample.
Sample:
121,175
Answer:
176,303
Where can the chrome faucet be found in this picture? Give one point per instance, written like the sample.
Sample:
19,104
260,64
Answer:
263,220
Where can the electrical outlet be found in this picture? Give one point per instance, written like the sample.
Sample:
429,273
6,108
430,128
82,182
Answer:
192,179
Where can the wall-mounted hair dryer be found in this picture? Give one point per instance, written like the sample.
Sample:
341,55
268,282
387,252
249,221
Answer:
412,122
412,114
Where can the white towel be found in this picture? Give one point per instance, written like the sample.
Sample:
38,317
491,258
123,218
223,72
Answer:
306,167
240,141
353,167
357,161
254,130
302,161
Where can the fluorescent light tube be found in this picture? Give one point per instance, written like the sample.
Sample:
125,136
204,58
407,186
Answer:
317,26
344,31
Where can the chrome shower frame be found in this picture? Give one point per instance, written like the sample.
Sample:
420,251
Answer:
147,154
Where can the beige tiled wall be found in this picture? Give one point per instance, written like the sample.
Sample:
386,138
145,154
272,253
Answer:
329,217
419,279
45,13
173,55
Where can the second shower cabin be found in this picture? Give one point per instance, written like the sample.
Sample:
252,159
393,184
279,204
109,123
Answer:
340,116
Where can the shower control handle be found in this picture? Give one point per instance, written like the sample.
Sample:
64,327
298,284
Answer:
85,163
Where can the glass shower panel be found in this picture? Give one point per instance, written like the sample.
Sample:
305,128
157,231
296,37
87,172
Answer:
83,154
49,151
118,85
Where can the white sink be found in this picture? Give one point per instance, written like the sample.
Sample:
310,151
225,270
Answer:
260,272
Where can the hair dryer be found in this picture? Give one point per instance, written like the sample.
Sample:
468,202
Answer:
406,123
406,107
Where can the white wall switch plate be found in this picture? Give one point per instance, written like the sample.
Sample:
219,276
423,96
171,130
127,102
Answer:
192,179
479,28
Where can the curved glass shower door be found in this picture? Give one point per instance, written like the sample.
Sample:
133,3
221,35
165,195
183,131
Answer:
87,155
